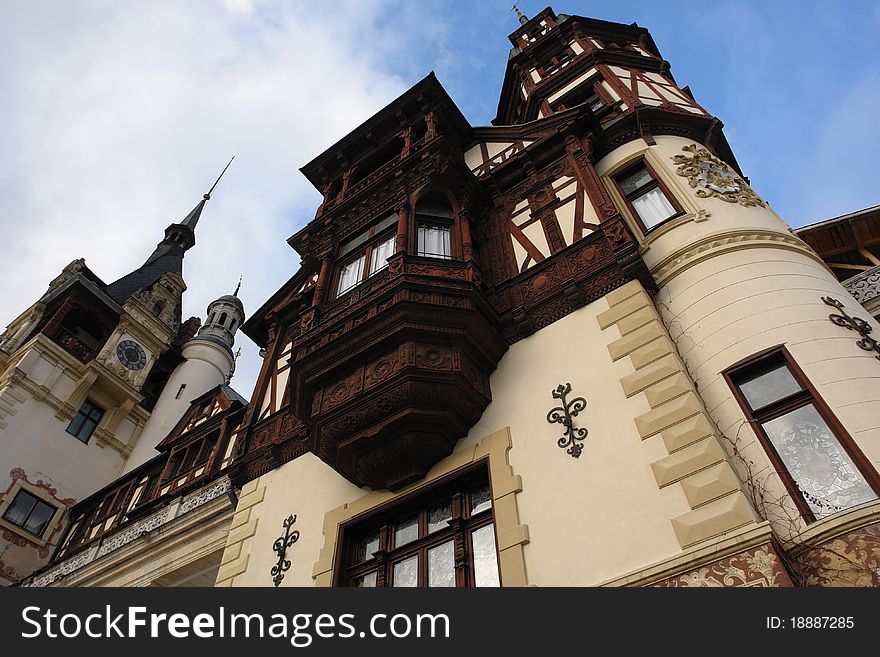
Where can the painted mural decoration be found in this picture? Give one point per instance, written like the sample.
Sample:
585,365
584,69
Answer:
849,560
759,567
712,178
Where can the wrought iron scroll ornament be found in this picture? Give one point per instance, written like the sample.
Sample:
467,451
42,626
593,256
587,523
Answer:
573,437
856,324
280,548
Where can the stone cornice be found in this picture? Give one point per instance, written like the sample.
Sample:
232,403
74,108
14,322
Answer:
725,242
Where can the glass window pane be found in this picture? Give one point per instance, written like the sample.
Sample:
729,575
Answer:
485,559
407,530
815,460
39,518
766,387
365,547
387,222
441,565
481,498
635,181
21,506
350,275
433,241
406,572
653,207
365,581
439,516
76,424
381,253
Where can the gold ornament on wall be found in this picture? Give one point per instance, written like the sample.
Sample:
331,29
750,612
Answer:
713,178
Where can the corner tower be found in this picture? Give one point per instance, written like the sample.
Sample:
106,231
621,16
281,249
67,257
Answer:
80,373
208,361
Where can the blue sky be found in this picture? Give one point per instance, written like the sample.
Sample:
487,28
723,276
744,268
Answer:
118,116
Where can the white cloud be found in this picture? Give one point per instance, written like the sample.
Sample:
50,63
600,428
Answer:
118,116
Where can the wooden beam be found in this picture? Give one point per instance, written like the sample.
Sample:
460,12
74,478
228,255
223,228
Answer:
841,265
870,257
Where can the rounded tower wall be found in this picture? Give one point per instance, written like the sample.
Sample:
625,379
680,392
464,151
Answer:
734,282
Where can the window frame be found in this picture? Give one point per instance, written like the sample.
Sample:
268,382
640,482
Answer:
37,500
385,518
434,220
656,183
364,250
768,360
87,417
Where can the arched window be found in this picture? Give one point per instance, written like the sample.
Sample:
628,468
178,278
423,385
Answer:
222,318
232,325
433,226
158,307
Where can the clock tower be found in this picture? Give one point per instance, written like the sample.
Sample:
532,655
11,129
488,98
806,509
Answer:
81,372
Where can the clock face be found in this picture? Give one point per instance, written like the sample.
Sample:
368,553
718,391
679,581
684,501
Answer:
131,354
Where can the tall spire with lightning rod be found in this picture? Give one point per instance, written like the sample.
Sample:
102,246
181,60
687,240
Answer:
168,254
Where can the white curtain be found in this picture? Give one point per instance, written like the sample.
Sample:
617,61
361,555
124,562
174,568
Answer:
653,207
350,275
434,241
381,252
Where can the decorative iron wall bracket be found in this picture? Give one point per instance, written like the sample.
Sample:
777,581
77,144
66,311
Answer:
573,437
856,324
280,548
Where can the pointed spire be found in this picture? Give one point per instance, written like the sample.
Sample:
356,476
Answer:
522,19
237,287
168,255
193,217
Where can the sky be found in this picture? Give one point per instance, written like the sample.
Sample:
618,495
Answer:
117,116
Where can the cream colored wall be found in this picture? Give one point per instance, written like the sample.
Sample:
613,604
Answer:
612,512
34,439
735,281
205,366
305,487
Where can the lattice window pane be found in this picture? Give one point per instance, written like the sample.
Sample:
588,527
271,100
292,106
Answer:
407,531
406,572
439,516
818,464
485,558
441,565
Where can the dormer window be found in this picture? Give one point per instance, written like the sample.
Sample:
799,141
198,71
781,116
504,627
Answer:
373,247
433,227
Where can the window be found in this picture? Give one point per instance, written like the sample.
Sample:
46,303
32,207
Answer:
414,542
434,241
29,512
83,424
647,198
820,465
433,227
373,246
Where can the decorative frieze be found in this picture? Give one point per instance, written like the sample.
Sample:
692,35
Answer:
114,541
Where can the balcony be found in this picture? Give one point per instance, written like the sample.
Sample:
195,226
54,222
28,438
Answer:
396,372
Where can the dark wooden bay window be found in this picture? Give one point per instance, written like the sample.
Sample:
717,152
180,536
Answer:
442,538
820,465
